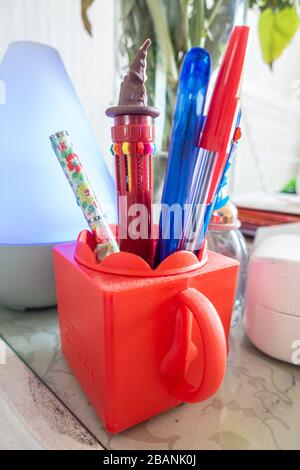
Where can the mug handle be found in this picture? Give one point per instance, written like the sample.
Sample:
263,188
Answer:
194,305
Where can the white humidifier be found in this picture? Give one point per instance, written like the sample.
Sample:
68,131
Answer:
272,309
38,209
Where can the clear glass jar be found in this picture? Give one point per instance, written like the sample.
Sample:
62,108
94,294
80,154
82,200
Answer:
224,237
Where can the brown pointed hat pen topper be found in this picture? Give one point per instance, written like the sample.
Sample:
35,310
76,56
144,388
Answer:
133,94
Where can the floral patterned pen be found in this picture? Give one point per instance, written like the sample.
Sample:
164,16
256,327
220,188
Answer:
86,199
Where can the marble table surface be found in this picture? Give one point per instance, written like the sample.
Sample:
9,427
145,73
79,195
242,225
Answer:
257,407
31,416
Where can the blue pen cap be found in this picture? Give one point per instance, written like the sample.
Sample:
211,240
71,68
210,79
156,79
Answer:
191,94
183,149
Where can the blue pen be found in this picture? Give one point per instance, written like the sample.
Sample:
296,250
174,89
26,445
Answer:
183,150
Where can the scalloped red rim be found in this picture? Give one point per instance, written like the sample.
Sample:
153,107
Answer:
129,264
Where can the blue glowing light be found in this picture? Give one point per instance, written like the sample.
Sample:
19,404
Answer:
37,204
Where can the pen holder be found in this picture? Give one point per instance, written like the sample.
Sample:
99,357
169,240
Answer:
141,341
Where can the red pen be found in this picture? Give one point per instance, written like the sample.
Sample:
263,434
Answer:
224,105
216,138
133,147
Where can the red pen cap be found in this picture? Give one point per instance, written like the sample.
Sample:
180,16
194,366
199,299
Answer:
224,104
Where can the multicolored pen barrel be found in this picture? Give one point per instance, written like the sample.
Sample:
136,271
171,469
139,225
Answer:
86,198
133,148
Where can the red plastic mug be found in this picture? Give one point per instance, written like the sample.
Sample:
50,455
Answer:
139,340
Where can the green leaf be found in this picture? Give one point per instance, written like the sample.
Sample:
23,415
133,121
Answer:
159,17
160,93
127,7
276,30
290,187
85,5
197,22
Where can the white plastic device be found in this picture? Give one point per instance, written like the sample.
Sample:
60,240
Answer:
272,308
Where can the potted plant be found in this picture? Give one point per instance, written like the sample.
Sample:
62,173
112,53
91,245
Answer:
176,25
